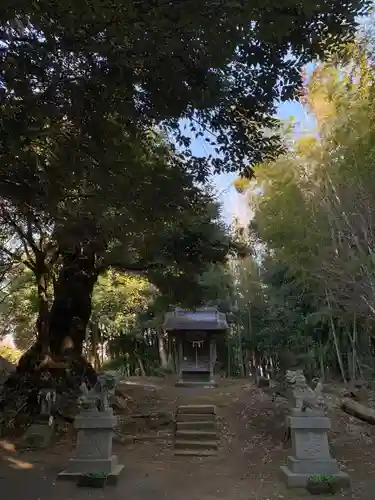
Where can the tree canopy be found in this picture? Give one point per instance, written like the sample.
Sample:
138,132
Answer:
73,75
313,221
97,172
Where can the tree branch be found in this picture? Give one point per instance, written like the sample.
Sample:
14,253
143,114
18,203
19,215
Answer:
30,236
25,236
136,268
18,258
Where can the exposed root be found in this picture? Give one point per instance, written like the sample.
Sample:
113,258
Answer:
18,400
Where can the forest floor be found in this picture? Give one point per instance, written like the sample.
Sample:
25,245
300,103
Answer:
246,468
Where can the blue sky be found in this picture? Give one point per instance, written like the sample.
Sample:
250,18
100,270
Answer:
232,202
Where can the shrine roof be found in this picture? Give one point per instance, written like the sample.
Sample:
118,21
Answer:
208,318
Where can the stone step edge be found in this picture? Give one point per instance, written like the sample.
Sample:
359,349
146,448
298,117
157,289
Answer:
189,424
195,433
197,409
196,453
190,443
204,417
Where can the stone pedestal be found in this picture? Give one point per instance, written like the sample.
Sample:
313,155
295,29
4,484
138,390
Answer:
41,431
93,452
38,435
310,451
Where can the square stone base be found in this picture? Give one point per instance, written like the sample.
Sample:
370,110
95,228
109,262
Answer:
326,466
38,436
112,478
299,480
95,465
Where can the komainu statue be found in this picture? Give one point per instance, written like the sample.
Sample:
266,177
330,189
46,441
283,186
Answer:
98,397
301,395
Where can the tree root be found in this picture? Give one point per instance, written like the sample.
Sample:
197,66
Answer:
19,398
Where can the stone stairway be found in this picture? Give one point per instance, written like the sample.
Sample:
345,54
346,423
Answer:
196,431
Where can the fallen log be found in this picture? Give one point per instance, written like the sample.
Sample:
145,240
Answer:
358,410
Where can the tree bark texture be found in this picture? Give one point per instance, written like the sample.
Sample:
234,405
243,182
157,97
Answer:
42,280
71,308
55,360
62,330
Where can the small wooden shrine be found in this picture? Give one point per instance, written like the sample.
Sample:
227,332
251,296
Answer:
195,334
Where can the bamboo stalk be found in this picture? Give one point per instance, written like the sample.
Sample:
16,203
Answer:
335,340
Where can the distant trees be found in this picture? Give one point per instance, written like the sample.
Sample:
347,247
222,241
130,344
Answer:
314,213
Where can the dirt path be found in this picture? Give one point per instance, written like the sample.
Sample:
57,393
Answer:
247,467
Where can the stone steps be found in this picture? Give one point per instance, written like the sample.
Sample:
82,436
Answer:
185,444
191,444
196,430
196,409
196,453
196,434
195,417
196,425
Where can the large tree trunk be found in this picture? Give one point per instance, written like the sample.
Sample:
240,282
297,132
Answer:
71,308
42,276
55,360
64,328
95,341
